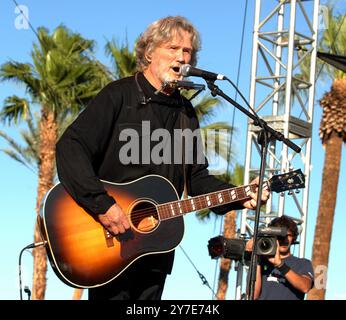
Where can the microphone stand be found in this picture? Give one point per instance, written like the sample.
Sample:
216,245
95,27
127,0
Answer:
265,135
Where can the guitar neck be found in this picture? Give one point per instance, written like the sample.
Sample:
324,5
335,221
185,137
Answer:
214,199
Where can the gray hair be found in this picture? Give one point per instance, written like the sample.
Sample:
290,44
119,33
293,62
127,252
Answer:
162,31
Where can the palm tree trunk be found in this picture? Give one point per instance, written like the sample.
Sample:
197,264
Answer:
325,218
225,265
48,137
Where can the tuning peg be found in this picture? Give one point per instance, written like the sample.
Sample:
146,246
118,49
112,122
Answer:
290,192
297,191
282,194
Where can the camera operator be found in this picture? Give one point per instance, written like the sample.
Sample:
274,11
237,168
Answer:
283,276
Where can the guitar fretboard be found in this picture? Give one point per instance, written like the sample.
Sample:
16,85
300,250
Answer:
177,208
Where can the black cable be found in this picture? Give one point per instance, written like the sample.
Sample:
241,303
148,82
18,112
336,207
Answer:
238,75
28,292
20,273
26,289
38,38
26,18
234,109
265,145
242,96
247,103
104,69
202,277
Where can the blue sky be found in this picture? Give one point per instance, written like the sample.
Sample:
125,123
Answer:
220,26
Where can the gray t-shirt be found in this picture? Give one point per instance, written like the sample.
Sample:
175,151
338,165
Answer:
276,287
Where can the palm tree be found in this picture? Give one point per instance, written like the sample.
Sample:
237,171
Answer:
28,154
332,134
123,59
61,80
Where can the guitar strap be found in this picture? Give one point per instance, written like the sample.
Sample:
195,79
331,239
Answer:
183,126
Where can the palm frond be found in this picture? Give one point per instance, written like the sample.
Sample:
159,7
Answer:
333,40
216,138
14,156
21,73
123,59
220,125
15,109
32,146
206,108
18,153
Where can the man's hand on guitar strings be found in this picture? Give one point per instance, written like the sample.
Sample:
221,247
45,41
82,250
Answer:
115,220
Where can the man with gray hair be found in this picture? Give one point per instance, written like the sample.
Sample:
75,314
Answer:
90,149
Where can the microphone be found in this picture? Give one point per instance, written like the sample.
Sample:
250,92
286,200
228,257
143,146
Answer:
187,71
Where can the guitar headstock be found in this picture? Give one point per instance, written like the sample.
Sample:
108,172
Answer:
287,181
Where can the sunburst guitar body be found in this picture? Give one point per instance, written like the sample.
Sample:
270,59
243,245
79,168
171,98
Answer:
84,254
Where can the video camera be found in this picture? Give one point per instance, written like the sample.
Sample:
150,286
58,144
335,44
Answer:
235,248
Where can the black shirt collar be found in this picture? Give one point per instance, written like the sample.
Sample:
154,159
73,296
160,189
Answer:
174,100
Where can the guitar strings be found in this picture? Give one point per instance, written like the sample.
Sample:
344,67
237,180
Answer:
137,215
202,201
142,213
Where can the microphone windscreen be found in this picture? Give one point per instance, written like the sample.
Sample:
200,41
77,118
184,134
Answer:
185,70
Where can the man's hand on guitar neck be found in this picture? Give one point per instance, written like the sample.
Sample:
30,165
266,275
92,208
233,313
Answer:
251,204
115,220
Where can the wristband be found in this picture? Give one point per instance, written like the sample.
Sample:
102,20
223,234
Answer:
283,268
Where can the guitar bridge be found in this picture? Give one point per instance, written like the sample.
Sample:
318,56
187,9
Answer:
108,238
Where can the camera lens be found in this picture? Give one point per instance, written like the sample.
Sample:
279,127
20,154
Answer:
266,246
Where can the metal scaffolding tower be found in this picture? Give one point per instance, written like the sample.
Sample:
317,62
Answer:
282,93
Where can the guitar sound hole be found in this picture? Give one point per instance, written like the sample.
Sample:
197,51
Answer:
144,216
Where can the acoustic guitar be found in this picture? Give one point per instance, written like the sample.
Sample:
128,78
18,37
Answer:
84,254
